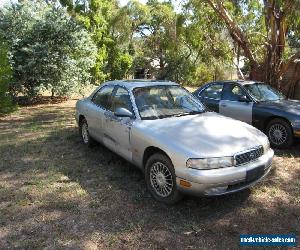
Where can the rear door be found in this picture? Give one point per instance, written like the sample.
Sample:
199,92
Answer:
236,103
100,104
211,96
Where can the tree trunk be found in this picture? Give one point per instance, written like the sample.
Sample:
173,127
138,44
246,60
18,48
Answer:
239,37
290,80
275,19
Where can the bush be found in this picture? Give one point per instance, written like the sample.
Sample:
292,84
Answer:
48,49
6,103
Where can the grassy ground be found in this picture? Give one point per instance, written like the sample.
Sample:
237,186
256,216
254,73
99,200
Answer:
56,193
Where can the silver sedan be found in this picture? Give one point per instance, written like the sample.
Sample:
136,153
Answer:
180,146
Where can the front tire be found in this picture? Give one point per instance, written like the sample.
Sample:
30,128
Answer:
84,133
280,133
161,179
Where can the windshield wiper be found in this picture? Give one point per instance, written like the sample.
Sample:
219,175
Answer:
196,112
173,115
180,114
188,113
150,118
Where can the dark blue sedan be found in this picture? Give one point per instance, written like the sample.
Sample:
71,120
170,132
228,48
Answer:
257,104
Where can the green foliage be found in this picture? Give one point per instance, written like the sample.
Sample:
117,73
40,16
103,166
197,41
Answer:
118,64
293,22
101,19
174,46
62,47
6,103
98,17
150,36
48,49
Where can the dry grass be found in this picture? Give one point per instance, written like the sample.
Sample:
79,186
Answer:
56,193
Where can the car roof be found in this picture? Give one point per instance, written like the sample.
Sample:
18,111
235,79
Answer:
136,83
241,82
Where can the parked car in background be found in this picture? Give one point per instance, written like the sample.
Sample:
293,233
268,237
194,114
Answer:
257,104
180,146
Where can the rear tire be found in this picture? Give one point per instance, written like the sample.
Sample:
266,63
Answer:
161,179
280,133
84,133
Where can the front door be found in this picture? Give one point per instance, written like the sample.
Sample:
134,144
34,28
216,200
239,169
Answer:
117,129
236,104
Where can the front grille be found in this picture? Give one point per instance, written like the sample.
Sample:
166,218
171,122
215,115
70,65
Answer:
248,156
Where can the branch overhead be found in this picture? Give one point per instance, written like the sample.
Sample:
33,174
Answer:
234,30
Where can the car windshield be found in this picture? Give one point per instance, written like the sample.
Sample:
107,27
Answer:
156,102
263,92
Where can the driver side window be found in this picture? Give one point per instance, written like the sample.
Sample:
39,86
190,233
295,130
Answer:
121,99
234,93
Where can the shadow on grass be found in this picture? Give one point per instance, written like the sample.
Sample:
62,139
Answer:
55,193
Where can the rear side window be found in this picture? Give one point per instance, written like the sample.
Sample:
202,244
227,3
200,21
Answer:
213,92
103,97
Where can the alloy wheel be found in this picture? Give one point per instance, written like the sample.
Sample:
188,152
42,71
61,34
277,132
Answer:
278,134
161,179
85,133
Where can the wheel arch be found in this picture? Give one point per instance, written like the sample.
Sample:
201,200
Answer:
151,150
269,119
80,118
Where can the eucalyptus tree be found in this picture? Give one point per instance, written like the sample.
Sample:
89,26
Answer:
205,43
127,30
174,45
147,30
153,36
266,31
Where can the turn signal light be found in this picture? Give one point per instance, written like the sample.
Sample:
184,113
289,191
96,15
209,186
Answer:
185,183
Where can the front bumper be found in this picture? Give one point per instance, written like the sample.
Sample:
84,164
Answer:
225,180
296,131
296,128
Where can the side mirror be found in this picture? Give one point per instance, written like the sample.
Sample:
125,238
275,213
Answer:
123,112
244,98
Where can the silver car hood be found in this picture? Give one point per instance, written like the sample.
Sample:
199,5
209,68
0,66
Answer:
204,135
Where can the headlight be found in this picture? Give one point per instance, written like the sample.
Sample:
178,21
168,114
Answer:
266,146
210,163
296,123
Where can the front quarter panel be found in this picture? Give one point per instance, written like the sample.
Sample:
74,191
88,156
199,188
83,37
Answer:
143,137
262,115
